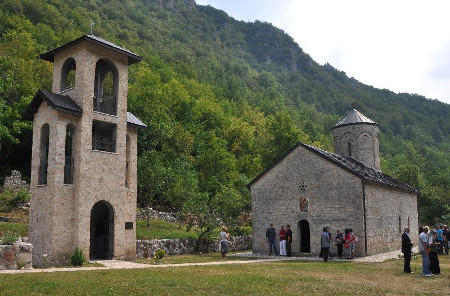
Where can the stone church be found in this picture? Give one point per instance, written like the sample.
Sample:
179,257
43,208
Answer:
84,155
309,188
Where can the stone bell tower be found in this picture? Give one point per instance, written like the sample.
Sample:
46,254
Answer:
84,173
356,136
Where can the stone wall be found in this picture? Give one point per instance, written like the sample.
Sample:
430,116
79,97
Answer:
15,256
334,194
147,248
388,211
153,214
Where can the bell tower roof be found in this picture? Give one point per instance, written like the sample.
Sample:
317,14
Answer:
354,117
132,57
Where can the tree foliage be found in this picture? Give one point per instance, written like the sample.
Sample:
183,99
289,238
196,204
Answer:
222,100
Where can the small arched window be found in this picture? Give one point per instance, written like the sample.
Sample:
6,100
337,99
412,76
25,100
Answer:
399,224
349,147
68,152
43,157
106,87
68,74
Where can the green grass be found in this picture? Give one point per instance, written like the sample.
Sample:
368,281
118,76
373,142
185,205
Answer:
162,229
21,229
271,278
191,258
158,229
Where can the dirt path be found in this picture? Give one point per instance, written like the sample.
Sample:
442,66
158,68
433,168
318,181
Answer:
116,264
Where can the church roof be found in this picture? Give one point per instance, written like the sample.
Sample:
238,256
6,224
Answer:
353,166
64,103
354,117
133,121
58,102
132,57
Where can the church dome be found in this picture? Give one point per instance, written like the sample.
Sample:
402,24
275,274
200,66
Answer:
354,117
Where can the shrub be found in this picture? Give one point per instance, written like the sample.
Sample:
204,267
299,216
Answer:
9,238
10,199
159,254
77,257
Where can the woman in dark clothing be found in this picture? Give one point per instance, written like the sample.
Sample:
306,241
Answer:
339,242
434,261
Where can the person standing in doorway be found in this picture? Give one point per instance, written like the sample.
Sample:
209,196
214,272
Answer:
271,238
282,236
325,243
339,242
288,240
353,241
347,240
423,246
406,250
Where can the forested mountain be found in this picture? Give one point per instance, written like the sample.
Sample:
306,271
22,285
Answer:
222,99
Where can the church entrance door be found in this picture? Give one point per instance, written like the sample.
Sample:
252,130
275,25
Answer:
102,231
303,227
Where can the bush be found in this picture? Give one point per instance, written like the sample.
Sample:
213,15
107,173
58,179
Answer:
159,254
77,257
10,199
9,238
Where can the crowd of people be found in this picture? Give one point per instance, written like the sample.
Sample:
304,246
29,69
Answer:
432,243
344,241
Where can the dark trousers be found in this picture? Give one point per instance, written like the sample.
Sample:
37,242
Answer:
325,252
441,248
407,267
288,249
273,244
339,247
434,263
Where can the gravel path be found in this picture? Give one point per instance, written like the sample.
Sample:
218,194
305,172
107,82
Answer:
259,258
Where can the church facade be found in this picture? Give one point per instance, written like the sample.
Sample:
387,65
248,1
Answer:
84,155
309,188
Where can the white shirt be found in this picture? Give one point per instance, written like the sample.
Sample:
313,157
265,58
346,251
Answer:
223,236
423,238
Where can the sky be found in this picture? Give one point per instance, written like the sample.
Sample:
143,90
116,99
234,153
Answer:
400,45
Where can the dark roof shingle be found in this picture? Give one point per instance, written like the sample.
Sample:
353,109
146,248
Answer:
354,117
132,57
58,102
353,166
133,121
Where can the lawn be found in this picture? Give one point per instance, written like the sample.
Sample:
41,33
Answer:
191,258
158,229
273,278
21,229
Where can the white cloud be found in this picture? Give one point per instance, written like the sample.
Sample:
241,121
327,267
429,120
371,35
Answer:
402,45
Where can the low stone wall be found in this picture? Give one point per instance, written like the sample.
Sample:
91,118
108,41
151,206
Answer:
141,214
147,248
15,256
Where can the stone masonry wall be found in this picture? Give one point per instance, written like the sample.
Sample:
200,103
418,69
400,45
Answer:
388,211
147,248
13,256
335,200
60,213
363,139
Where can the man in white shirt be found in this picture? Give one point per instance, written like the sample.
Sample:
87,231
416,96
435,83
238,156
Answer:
423,246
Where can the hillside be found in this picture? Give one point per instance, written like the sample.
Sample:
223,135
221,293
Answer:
222,99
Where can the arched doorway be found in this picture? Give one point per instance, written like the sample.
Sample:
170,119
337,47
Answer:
102,231
304,235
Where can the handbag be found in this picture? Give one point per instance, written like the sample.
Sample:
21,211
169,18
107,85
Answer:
346,245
